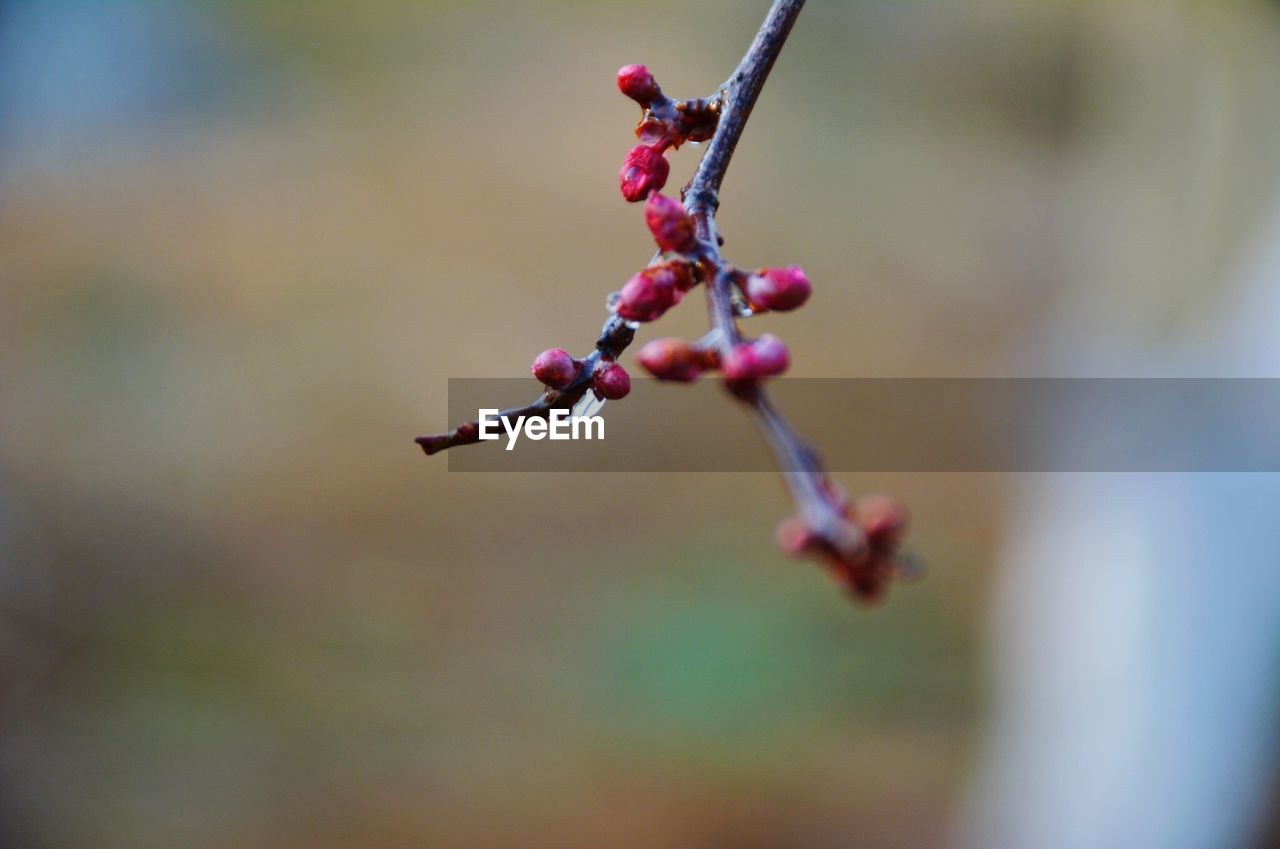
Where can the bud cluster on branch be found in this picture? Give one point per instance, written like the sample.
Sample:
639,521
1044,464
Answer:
857,541
666,123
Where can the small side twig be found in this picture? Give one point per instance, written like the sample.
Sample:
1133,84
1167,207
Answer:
615,336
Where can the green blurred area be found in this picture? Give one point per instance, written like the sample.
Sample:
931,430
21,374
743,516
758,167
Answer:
239,608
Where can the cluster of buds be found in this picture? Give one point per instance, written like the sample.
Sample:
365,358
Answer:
676,360
665,123
556,369
867,573
857,542
656,289
745,365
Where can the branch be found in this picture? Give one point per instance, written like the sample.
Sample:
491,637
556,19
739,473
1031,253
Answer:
857,542
742,88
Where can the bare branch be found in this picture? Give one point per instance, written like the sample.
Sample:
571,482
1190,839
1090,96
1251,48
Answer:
738,97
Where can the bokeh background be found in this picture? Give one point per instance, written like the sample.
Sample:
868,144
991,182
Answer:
243,246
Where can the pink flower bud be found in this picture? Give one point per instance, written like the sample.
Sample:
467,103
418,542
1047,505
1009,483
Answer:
644,170
611,381
778,289
795,537
772,356
752,361
673,359
671,226
637,83
555,368
648,295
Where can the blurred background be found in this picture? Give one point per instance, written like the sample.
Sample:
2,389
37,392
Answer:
243,246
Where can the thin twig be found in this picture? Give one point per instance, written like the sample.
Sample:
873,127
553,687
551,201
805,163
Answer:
615,336
742,90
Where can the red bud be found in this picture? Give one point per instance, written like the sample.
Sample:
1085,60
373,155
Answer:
644,170
648,295
778,289
772,356
611,381
671,226
672,359
555,368
752,361
637,83
795,538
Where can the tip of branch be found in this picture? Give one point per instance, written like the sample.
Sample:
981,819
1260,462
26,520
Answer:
432,444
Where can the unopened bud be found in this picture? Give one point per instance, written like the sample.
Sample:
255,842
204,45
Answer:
795,537
772,356
644,170
637,83
752,361
673,359
671,226
648,295
778,289
555,368
611,381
